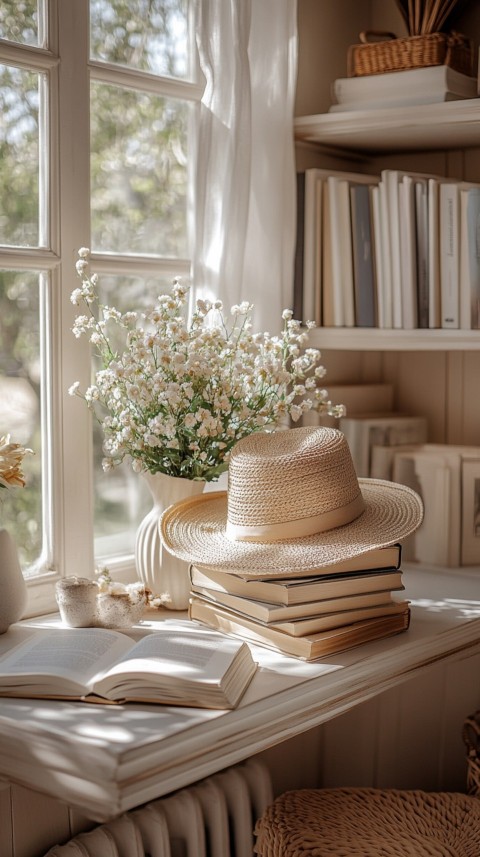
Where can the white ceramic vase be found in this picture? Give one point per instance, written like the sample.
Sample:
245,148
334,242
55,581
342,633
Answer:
13,589
161,572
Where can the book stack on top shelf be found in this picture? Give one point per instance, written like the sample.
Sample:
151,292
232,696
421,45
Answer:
330,610
429,85
398,250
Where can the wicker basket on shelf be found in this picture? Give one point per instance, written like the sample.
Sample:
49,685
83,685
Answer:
378,53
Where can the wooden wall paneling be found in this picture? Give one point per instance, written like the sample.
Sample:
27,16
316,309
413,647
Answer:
455,381
410,733
455,164
296,763
38,822
351,367
349,747
471,397
472,165
6,820
419,380
462,697
79,823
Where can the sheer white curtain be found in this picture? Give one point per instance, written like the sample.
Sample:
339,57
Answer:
245,168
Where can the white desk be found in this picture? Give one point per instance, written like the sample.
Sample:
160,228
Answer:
106,759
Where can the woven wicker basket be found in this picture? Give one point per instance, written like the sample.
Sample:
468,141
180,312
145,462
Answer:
471,737
392,54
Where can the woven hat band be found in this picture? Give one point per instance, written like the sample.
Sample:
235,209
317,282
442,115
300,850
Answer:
298,528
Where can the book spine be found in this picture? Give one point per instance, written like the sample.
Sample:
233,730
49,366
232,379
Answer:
449,254
434,313
421,251
408,266
470,259
363,270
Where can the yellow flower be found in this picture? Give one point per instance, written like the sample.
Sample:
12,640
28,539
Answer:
11,458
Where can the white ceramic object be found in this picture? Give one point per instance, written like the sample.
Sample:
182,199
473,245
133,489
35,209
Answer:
162,573
117,611
77,601
13,589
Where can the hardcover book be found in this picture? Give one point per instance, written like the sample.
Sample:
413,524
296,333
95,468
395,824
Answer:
177,665
262,611
315,622
387,557
300,590
364,431
310,647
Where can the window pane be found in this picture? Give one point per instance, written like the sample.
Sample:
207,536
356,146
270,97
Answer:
21,508
149,35
122,498
19,21
19,157
138,172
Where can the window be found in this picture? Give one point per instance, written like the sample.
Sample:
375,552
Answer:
98,114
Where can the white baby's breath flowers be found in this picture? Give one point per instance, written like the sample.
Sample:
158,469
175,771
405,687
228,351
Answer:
176,395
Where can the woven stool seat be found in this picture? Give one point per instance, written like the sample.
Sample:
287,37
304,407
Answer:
363,822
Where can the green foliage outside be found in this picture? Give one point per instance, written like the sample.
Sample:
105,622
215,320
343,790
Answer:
138,184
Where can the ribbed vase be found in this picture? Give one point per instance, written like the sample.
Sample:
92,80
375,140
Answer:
13,589
162,573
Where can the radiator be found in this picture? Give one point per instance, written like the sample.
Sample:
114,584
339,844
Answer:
212,818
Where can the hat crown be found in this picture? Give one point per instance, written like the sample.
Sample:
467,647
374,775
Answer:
291,476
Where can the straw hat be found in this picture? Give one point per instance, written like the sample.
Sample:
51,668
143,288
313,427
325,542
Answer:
294,504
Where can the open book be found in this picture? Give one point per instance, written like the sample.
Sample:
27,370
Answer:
174,666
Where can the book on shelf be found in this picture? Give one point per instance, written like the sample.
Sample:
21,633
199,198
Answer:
437,472
434,308
470,258
449,210
432,82
176,665
363,256
430,476
398,103
320,256
386,557
341,251
408,252
314,622
309,647
401,266
291,591
421,252
363,431
266,612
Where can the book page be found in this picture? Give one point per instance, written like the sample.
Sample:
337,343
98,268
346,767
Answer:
196,656
68,657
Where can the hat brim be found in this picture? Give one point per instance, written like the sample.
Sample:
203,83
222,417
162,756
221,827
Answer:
195,530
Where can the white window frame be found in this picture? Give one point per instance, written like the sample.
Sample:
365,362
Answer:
66,422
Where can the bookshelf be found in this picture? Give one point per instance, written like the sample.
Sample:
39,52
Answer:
434,372
452,125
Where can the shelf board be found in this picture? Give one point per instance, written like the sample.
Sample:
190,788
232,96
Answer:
374,339
450,125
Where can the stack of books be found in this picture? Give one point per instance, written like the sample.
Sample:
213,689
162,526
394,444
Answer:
309,617
429,85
